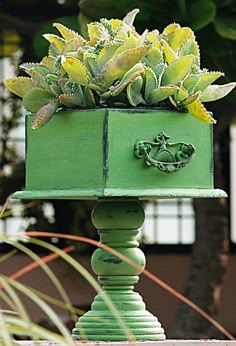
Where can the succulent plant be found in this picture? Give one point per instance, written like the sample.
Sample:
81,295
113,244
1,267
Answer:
117,67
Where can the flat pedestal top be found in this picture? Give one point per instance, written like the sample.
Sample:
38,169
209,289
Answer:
109,192
140,343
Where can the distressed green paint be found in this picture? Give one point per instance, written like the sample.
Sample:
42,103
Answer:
125,130
67,153
118,221
90,153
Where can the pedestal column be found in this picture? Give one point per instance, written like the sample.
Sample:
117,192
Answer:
118,221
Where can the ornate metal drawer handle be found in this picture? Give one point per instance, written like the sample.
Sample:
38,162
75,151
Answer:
165,156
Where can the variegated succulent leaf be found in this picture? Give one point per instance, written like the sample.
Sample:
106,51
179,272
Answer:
20,85
150,82
177,37
198,110
56,41
215,92
35,98
190,46
207,78
169,54
69,34
134,92
116,67
76,70
44,114
177,70
128,78
190,99
162,93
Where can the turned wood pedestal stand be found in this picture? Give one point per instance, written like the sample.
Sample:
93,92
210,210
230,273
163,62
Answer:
119,157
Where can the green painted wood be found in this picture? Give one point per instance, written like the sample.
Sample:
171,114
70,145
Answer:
67,153
126,171
118,221
90,153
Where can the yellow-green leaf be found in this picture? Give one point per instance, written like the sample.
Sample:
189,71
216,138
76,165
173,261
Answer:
57,42
128,77
169,53
171,27
76,70
162,93
116,67
97,31
154,56
177,70
134,92
19,85
177,37
180,94
197,109
190,46
49,62
153,37
191,82
207,78
105,54
150,82
69,34
215,92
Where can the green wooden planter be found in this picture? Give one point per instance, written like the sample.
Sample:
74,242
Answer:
106,152
119,156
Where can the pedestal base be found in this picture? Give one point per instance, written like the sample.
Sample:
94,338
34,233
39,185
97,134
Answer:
117,221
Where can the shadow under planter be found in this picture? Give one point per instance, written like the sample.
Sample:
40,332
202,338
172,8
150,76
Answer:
119,156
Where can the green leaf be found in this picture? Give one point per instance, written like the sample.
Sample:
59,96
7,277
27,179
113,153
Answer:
190,83
190,99
34,67
215,92
177,70
177,37
169,53
36,98
150,82
105,54
180,95
76,70
226,26
116,67
44,114
69,34
201,13
134,92
190,46
128,77
162,93
49,62
19,85
170,28
89,98
207,78
57,42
